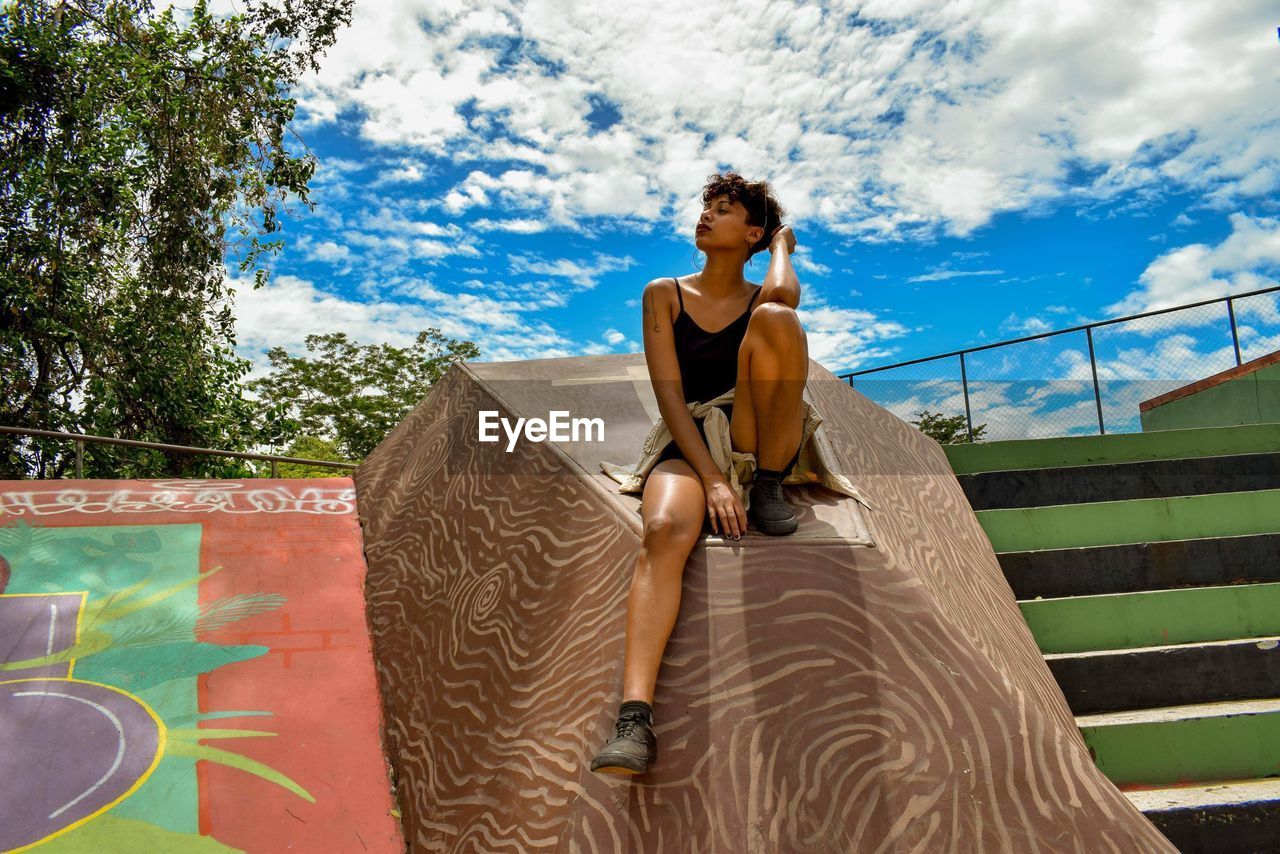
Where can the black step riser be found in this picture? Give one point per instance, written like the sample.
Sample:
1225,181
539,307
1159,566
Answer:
1143,566
1252,828
1176,676
1122,481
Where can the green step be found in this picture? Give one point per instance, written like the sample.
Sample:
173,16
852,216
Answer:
1153,618
1215,741
969,458
1143,520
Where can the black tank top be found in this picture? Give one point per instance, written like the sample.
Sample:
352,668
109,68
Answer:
708,360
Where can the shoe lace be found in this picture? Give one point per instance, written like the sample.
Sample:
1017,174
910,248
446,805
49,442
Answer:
770,489
626,726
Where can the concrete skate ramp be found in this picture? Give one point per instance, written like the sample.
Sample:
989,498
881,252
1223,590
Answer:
868,684
185,667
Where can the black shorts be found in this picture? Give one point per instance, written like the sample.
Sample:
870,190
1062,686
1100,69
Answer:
672,450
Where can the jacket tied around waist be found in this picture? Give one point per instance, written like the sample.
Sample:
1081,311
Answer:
817,463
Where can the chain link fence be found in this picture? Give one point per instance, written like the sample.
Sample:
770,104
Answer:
1084,380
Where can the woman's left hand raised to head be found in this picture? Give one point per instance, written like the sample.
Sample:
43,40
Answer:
783,237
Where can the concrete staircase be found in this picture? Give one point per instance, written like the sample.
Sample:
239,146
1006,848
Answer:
1148,568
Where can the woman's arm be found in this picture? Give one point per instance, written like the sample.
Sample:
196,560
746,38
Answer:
664,373
780,282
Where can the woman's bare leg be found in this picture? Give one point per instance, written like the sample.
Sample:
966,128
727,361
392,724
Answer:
672,509
773,364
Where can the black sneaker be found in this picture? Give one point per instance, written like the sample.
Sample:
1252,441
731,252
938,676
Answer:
631,749
770,513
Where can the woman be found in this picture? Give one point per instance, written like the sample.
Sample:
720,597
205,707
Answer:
706,334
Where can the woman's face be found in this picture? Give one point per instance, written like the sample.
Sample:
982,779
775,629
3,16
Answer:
723,225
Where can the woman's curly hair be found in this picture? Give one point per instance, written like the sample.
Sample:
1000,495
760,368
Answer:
757,197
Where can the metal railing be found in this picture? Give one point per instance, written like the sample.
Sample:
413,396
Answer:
1265,310
81,438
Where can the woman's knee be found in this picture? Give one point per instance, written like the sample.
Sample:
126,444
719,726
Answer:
774,312
666,530
775,319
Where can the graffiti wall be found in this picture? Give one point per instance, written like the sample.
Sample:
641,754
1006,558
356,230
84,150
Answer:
185,666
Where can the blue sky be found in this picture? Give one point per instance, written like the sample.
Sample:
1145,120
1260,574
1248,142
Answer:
957,173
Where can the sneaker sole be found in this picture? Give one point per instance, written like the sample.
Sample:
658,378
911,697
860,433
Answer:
616,765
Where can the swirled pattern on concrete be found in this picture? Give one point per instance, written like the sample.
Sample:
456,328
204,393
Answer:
815,696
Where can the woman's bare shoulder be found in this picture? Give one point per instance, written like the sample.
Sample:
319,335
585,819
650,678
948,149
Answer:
662,284
660,294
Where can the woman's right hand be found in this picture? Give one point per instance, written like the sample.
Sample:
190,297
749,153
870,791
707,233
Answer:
782,238
724,508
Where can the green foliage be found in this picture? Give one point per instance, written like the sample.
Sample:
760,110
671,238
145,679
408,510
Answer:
351,394
946,430
312,448
137,154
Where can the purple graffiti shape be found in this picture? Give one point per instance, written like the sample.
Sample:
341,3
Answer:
36,625
68,750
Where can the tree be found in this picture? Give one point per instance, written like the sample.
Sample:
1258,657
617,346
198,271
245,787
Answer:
312,448
136,155
946,430
351,394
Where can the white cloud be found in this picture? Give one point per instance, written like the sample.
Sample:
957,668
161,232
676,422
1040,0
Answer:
289,308
942,117
612,340
1197,271
941,274
993,100
407,172
845,339
584,275
391,220
324,250
1025,325
513,226
804,264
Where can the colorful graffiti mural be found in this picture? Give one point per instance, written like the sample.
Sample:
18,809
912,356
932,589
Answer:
201,681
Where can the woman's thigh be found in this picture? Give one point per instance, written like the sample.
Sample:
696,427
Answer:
673,501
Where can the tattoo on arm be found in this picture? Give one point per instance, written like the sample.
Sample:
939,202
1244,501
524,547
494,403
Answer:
649,313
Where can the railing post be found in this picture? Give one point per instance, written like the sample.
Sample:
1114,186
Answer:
1093,366
1235,337
79,458
273,468
964,384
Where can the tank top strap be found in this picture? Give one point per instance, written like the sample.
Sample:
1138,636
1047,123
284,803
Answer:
753,297
679,293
